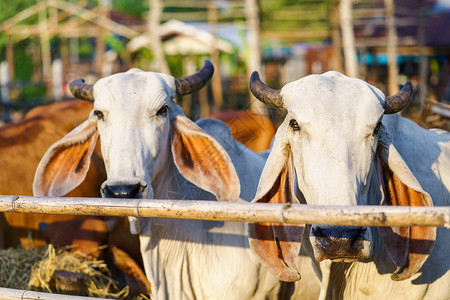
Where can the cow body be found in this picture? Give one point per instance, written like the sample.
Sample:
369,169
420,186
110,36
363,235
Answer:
427,154
190,259
251,129
347,146
151,150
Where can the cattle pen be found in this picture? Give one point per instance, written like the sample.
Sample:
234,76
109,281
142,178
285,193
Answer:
238,211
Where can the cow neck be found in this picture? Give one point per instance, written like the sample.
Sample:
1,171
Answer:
158,180
168,182
380,256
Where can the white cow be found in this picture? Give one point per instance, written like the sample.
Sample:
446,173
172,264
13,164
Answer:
347,146
151,150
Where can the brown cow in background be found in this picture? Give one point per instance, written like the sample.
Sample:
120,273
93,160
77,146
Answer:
22,146
253,130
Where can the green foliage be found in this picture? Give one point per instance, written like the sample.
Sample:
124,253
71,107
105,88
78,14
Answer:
115,43
7,10
175,63
86,49
141,59
135,8
291,15
11,7
23,61
33,93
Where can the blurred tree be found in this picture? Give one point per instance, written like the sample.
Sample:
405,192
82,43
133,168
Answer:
294,21
22,57
135,8
9,9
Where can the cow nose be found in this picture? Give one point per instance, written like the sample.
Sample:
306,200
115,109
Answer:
123,191
344,243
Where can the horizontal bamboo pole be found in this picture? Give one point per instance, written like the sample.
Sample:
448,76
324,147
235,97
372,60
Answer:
232,211
6,293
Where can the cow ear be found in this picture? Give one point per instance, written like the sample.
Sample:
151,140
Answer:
65,164
203,161
409,247
277,245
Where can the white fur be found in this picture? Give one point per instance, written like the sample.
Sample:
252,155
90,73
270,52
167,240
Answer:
333,157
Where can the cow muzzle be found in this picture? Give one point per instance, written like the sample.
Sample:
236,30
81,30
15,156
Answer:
340,243
124,189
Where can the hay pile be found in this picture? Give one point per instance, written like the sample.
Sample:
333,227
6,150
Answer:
33,270
16,264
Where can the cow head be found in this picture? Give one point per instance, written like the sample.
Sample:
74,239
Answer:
333,137
142,131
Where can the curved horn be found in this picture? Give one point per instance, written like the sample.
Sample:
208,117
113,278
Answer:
191,83
81,90
264,93
400,100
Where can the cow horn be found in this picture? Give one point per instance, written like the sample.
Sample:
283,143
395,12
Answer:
400,100
189,84
264,93
81,90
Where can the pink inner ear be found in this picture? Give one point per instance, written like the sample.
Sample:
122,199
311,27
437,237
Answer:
277,245
65,165
203,161
409,247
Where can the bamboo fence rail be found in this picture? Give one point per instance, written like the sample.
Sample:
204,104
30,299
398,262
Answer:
6,293
232,211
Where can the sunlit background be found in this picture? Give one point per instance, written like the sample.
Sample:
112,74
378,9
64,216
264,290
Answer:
46,44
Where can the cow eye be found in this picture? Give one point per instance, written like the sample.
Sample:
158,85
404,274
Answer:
294,125
162,111
377,128
99,115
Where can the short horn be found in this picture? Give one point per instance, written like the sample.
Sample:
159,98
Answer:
264,93
400,100
189,84
81,90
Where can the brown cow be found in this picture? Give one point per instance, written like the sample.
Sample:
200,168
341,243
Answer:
22,146
251,129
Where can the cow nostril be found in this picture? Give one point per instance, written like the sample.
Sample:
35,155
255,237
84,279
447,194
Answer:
322,241
123,191
134,190
318,232
321,237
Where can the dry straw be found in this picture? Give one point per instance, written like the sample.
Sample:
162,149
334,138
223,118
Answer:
33,269
16,264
